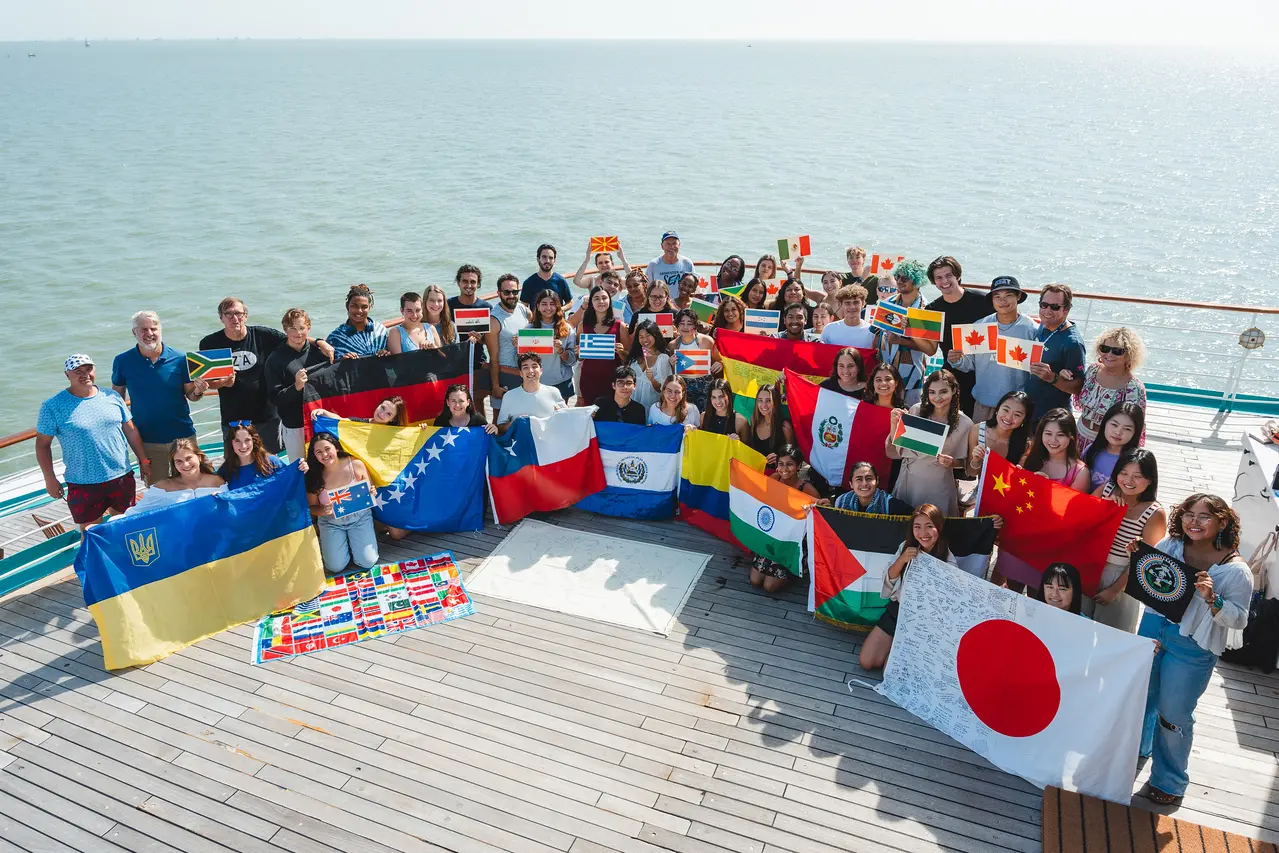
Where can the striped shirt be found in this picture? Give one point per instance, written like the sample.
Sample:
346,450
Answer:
369,341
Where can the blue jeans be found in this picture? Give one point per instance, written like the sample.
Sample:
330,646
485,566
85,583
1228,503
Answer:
344,539
1178,677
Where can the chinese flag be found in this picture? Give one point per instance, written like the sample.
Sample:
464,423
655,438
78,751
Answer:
1045,522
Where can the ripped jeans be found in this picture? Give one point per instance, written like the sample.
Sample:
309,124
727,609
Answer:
1178,677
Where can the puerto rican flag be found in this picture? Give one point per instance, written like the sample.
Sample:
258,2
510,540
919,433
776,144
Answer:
544,464
693,362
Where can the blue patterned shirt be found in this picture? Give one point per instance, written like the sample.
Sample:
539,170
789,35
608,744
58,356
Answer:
89,431
370,341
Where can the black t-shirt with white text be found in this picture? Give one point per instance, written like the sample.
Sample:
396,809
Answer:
247,399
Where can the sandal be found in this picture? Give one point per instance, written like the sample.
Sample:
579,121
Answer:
1160,798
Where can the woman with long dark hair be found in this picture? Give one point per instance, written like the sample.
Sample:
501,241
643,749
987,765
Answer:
1121,430
768,431
557,368
1006,432
720,417
244,457
1061,588
350,537
926,479
596,377
1134,485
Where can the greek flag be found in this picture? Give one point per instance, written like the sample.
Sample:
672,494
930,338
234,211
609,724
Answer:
641,470
597,346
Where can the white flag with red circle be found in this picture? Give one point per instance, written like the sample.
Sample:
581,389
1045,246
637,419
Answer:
1050,696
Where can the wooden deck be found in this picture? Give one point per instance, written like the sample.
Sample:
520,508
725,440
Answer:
526,731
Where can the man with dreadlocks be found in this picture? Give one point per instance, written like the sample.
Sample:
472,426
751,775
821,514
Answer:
358,336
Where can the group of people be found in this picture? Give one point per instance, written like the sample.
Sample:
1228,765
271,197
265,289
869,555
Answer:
1075,419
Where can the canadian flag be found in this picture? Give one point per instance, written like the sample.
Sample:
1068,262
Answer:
1040,692
1018,353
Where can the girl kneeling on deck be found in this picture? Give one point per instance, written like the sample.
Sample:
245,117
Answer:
350,537
765,573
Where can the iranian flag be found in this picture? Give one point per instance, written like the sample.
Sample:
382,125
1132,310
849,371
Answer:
793,247
540,341
768,518
922,435
1018,353
835,431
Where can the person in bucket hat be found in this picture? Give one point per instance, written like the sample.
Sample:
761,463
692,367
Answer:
994,380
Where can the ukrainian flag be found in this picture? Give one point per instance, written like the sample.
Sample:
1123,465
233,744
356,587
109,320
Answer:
156,582
703,485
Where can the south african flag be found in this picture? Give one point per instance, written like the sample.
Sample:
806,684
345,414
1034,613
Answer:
211,364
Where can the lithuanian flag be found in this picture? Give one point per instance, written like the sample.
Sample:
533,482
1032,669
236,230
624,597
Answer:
924,325
704,480
768,518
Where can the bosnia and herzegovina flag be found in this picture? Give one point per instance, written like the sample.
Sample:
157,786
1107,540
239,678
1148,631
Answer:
353,387
641,469
427,478
704,481
849,553
156,582
754,360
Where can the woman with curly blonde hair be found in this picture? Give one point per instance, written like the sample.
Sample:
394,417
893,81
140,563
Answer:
1109,380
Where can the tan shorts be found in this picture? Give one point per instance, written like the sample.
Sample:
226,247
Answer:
159,456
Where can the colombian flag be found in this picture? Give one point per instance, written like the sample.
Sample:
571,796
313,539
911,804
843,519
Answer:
156,582
704,483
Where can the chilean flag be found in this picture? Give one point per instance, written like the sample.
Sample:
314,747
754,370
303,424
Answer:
544,464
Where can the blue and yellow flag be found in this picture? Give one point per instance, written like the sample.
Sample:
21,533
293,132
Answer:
703,485
427,478
156,582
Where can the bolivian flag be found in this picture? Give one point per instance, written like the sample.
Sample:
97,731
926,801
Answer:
156,582
704,480
768,518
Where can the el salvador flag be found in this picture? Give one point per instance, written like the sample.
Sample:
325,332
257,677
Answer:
641,467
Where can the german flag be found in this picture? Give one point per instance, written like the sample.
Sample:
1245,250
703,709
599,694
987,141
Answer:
353,387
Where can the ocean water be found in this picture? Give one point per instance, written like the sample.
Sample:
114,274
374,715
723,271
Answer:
166,175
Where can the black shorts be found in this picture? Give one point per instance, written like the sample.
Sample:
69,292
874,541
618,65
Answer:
888,621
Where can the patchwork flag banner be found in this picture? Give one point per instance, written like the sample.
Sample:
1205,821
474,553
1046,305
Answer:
693,362
705,311
540,341
1162,583
921,435
884,263
1018,353
353,388
1045,522
426,478
793,247
359,606
760,321
665,324
472,319
849,553
974,339
889,317
597,347
768,518
350,499
641,470
1020,682
836,431
754,360
704,480
156,582
211,364
544,464
924,325
605,244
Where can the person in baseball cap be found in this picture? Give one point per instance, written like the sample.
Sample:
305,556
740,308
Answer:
669,266
1005,282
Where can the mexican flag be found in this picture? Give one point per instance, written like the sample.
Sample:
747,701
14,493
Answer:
769,519
835,431
793,247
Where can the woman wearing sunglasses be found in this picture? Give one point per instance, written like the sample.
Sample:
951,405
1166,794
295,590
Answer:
1109,380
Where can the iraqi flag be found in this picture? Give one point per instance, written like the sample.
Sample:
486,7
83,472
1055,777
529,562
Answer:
1050,696
835,431
641,470
849,552
768,518
353,387
544,464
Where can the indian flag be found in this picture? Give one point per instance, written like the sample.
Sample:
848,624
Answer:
705,311
211,364
793,247
921,435
924,325
769,519
540,341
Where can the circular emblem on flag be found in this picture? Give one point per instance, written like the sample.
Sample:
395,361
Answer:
632,470
1008,677
765,518
1159,578
831,432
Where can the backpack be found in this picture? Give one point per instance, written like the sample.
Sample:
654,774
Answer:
1260,647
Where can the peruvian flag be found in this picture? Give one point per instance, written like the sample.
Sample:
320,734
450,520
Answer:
835,430
544,464
1050,696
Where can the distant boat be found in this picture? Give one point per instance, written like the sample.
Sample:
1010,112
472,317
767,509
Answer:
31,56
86,43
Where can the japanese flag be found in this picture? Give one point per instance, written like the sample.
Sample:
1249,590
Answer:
1037,691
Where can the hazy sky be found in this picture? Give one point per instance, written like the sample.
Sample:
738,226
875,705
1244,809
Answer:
1220,22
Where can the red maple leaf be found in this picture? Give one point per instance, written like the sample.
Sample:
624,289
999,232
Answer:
974,337
1017,354
887,264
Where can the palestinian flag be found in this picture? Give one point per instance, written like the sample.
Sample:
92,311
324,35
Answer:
922,435
540,341
924,325
850,552
352,388
793,247
211,364
767,517
835,431
705,311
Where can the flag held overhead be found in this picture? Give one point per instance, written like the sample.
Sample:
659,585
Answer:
793,247
604,244
884,263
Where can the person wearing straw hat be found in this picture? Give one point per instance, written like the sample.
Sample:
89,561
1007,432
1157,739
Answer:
95,431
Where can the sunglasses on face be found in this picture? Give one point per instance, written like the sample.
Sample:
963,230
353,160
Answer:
1051,306
1105,349
509,292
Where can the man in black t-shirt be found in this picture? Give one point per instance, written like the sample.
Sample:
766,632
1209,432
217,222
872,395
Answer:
468,280
285,375
961,307
619,407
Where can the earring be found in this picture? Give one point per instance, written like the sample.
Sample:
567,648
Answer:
1217,541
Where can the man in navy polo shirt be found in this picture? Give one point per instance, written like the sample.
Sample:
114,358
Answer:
153,378
545,279
1064,349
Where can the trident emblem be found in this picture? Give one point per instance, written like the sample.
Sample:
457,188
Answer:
142,547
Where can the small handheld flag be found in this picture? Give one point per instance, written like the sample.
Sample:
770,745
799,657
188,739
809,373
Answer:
350,499
708,285
540,341
605,244
922,435
705,311
761,322
888,317
884,263
774,286
693,362
975,339
471,319
1162,583
1018,353
665,324
735,290
600,347
924,325
793,247
211,364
